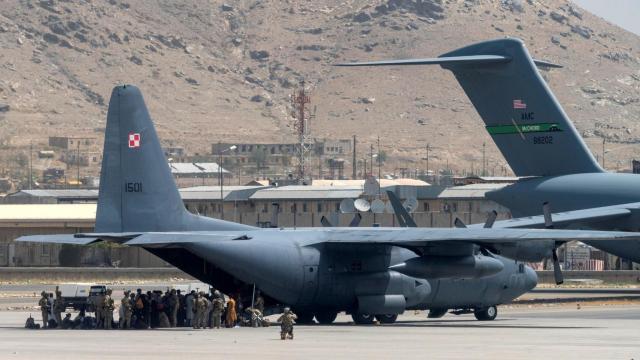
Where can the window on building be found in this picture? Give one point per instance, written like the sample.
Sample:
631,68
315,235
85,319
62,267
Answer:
337,207
293,208
304,207
44,250
425,206
265,208
319,207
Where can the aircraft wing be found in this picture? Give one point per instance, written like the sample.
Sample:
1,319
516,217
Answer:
78,239
569,218
419,237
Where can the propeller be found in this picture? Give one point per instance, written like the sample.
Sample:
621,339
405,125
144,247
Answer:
356,220
325,222
404,219
490,219
459,223
548,224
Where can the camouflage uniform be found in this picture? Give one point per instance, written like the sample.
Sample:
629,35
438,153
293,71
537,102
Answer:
97,305
127,305
58,307
198,307
107,310
173,307
259,303
218,309
286,324
204,321
44,308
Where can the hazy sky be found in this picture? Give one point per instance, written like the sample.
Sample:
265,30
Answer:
623,13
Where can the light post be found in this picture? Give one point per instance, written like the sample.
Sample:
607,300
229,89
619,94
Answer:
220,152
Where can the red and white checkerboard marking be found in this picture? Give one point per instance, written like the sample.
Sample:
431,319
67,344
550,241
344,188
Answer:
134,140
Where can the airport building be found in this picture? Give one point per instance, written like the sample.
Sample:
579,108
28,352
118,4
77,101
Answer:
29,212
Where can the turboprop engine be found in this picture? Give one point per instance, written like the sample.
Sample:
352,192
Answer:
458,267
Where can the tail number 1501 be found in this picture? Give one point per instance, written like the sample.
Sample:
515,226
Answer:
133,187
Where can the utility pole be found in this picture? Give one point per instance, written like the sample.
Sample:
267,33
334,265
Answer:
354,175
484,159
30,165
371,158
603,142
428,148
78,163
379,165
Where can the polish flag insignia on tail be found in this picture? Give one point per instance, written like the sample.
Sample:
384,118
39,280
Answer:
518,104
134,140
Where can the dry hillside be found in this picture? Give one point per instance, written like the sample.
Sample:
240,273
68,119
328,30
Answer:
214,71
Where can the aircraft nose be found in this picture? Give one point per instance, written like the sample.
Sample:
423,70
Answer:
530,278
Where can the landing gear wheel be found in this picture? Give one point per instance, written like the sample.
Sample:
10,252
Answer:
486,314
387,318
326,317
437,313
362,318
304,318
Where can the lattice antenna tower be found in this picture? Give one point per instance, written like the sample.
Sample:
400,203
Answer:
302,117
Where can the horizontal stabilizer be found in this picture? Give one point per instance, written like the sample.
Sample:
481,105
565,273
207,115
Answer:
69,239
448,60
171,238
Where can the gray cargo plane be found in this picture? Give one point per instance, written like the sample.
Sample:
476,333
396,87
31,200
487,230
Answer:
368,272
541,145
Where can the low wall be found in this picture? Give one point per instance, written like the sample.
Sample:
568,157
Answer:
608,276
54,275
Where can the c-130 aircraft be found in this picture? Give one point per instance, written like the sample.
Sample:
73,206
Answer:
368,272
556,169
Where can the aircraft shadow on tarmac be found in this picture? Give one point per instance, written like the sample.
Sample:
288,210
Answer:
462,324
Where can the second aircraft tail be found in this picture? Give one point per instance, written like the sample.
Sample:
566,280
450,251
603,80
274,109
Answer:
519,110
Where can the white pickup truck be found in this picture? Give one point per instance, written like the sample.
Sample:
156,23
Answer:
81,296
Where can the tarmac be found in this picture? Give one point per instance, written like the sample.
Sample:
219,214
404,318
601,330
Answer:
519,332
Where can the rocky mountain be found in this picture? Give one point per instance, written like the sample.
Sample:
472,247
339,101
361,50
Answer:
224,71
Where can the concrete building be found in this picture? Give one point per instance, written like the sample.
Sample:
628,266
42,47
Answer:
67,142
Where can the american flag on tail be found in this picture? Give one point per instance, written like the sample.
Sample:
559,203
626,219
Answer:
518,104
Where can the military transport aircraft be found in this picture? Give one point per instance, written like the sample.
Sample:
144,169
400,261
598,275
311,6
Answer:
368,272
540,144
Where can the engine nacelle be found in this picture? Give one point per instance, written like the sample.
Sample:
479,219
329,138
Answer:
527,251
442,267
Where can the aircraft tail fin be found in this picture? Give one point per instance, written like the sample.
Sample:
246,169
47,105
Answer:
137,191
520,112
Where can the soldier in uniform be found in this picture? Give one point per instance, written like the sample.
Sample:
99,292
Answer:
97,305
127,306
58,307
107,310
217,310
174,304
204,322
259,303
44,308
195,321
286,321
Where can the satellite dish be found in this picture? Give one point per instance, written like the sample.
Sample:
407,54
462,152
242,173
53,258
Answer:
377,206
371,186
411,204
388,208
347,206
362,205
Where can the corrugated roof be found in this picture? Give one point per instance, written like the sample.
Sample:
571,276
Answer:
360,183
57,193
473,191
299,192
230,193
195,168
48,212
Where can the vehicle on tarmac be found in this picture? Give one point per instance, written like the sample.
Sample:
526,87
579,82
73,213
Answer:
369,272
81,296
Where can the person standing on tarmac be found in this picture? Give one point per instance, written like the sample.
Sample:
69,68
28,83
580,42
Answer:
58,307
174,304
286,321
107,310
190,311
127,310
44,308
232,316
217,309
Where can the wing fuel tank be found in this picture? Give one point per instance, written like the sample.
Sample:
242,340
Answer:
442,267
